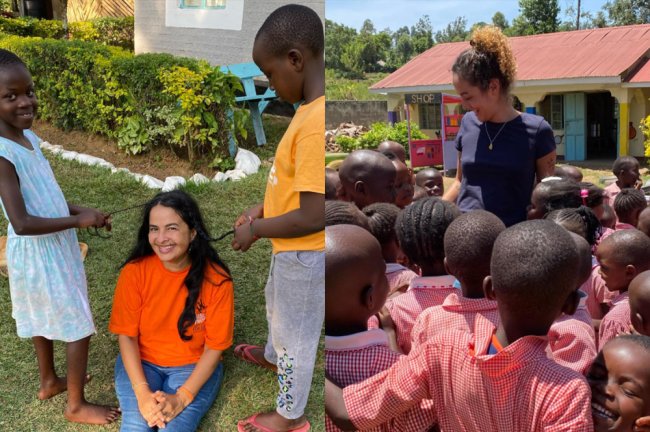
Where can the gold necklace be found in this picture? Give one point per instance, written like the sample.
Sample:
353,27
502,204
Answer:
495,136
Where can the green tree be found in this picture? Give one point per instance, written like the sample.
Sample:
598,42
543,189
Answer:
455,31
422,35
367,28
536,16
626,12
499,20
475,26
337,37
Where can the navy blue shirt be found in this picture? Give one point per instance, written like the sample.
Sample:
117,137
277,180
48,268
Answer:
501,180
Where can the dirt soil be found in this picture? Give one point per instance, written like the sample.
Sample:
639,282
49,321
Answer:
160,164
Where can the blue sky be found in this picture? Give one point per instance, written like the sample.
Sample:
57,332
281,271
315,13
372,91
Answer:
397,13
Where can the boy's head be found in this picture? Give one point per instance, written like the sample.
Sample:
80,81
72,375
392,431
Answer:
584,258
403,184
344,213
19,111
393,147
568,172
622,255
289,49
608,219
468,249
355,281
332,182
626,170
431,180
533,275
420,231
419,193
367,177
628,204
620,383
381,220
553,195
640,303
643,224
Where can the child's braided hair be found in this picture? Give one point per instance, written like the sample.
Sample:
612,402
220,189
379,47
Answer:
421,228
381,220
344,213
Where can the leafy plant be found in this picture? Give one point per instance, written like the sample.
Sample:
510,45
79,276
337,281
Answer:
381,132
645,128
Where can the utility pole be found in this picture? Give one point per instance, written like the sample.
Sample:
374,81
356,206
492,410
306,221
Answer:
578,17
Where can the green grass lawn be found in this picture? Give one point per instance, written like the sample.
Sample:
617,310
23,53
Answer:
246,389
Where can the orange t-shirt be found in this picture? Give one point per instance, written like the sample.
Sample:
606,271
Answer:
298,167
149,300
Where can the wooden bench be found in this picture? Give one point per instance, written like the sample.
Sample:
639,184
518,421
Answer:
257,103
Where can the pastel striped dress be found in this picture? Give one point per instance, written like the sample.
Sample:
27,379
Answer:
47,282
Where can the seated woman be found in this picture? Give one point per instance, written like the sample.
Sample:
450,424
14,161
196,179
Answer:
173,311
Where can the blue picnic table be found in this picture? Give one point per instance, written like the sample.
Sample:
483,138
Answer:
257,103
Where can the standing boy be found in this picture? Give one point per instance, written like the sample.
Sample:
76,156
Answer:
289,49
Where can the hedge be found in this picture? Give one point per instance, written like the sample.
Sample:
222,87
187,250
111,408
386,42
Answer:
141,101
107,31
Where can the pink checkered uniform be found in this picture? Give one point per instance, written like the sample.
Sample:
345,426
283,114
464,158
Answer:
455,313
398,276
517,389
572,340
597,293
353,358
616,321
423,293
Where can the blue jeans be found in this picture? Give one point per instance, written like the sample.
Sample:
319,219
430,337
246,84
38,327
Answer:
167,379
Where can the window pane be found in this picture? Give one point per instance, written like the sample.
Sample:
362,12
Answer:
215,3
429,116
191,3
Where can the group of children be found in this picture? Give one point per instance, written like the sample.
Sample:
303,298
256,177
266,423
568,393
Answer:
437,320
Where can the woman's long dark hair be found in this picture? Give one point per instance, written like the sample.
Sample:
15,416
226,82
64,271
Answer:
201,252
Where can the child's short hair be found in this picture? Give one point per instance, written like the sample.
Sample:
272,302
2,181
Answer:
292,25
8,58
622,163
561,194
534,266
568,172
628,201
641,340
344,213
629,247
468,243
331,179
381,220
581,221
421,228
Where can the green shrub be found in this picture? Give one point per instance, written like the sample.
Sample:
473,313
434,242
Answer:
381,132
141,101
115,31
83,30
52,29
17,26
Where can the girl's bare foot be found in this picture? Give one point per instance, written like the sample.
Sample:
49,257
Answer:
91,414
271,421
56,386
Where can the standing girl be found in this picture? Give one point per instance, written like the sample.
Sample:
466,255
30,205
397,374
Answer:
46,276
501,152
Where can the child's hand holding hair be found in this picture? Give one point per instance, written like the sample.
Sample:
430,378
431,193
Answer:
91,218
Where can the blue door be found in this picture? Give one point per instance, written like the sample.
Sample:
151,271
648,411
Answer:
575,126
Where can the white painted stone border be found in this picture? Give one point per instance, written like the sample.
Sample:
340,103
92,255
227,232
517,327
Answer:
246,163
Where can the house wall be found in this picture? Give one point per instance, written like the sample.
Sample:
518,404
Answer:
215,45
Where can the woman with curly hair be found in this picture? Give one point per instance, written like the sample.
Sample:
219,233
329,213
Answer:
501,152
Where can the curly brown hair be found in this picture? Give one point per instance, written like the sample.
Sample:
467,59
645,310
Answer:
489,57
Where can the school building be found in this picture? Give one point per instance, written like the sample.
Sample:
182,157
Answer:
592,86
219,31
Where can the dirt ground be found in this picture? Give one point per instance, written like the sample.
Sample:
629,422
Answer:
160,164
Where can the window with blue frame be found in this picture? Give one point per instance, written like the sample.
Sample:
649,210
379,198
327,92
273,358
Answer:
202,4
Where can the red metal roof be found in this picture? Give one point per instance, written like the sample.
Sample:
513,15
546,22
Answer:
607,52
642,75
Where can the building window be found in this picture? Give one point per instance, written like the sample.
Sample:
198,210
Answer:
557,111
202,4
429,116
